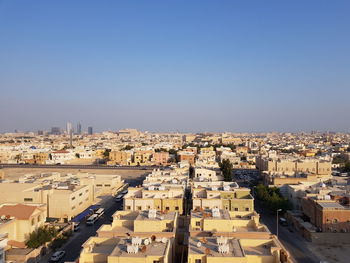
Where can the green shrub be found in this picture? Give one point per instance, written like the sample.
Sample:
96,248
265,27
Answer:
40,236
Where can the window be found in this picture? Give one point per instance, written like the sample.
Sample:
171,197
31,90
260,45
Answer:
80,194
167,208
28,199
176,208
107,185
247,209
156,261
80,203
73,207
33,221
236,208
138,207
198,223
197,261
73,198
148,207
128,207
99,185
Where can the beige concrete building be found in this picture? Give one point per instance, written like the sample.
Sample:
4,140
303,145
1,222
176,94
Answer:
284,179
218,222
17,221
291,165
228,198
204,174
65,196
62,201
142,158
128,133
141,224
127,250
229,250
158,198
119,157
186,156
160,158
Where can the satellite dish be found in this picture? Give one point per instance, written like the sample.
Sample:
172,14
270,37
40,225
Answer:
199,244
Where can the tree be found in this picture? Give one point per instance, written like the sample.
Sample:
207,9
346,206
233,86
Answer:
172,151
127,148
191,171
226,169
17,157
347,167
341,158
106,153
272,198
160,150
41,236
172,160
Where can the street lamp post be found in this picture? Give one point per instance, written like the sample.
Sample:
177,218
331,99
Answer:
278,210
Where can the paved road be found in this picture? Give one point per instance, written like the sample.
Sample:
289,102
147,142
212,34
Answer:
73,246
73,166
295,244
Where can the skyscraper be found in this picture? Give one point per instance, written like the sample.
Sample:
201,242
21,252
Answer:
90,131
78,128
69,128
55,130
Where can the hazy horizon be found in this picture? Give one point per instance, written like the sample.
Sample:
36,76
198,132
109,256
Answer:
240,66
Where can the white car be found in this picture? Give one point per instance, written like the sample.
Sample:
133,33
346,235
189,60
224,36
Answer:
57,256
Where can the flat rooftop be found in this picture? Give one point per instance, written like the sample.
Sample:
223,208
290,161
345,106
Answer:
235,248
224,214
330,205
153,249
143,215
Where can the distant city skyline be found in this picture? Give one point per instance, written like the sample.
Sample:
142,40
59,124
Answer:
55,129
188,66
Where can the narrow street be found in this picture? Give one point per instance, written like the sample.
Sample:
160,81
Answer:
295,244
74,244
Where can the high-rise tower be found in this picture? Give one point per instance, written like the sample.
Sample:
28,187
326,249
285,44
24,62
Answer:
78,128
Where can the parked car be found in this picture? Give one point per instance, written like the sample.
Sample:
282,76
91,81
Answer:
76,226
57,256
119,198
283,221
100,212
91,220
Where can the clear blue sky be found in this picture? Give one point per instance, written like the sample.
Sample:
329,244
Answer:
175,65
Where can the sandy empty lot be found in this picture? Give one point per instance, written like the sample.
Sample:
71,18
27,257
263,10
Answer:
332,253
